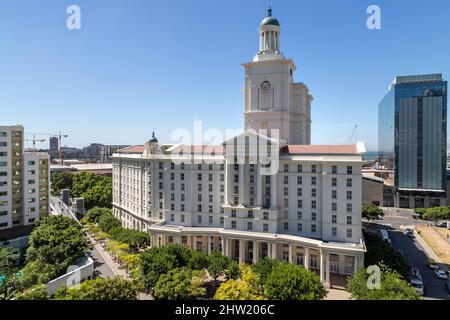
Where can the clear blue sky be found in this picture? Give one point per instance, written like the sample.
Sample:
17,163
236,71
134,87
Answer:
137,66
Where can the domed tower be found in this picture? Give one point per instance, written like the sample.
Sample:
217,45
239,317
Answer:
273,101
269,38
151,146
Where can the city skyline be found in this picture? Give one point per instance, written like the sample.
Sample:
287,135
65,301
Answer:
110,65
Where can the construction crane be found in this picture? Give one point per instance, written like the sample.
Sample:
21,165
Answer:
34,140
59,135
352,135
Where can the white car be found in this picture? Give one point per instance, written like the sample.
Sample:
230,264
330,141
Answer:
440,274
418,285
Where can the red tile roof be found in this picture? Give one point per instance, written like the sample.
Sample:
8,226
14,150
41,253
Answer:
132,149
200,149
320,149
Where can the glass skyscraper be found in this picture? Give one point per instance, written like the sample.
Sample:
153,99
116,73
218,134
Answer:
412,139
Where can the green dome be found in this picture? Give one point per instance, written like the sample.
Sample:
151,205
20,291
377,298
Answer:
269,20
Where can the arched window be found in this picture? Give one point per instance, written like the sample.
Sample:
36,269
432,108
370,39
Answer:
250,214
266,96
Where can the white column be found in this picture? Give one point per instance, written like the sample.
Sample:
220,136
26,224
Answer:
193,243
229,245
355,264
327,268
258,186
223,246
209,245
321,265
278,41
290,253
241,184
273,191
241,251
274,250
306,258
255,251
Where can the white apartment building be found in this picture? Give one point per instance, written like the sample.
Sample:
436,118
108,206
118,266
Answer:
265,192
24,180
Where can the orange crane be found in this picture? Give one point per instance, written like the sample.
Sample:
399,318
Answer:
59,135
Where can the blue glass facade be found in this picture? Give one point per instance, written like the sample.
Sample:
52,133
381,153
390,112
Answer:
412,134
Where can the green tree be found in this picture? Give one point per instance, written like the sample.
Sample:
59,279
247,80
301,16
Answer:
107,222
37,292
420,212
392,287
61,180
379,251
371,212
55,243
100,289
198,260
246,287
180,283
291,282
217,264
264,268
436,214
155,262
233,271
93,215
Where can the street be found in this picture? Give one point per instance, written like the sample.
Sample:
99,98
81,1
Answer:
102,267
413,251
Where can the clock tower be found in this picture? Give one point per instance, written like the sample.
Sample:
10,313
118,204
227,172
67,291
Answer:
272,99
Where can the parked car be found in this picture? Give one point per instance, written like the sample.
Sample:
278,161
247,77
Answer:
440,274
442,224
379,217
418,285
415,274
410,233
432,265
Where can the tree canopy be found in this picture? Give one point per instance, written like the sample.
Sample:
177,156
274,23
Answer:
392,287
180,283
100,289
379,251
217,264
436,214
246,287
96,189
264,268
55,243
291,282
371,212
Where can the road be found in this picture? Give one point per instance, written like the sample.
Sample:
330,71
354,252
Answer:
413,251
101,266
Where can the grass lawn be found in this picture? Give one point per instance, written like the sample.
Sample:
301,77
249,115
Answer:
437,239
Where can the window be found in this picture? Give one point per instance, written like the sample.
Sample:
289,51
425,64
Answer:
252,179
3,203
222,188
333,231
299,168
210,198
199,166
172,217
210,177
349,195
313,168
334,206
31,162
349,233
333,169
299,180
3,134
3,174
199,219
333,194
299,227
299,192
182,187
313,216
349,219
182,218
182,176
3,154
349,207
172,186
265,227
199,208
349,182
222,166
249,225
299,203
160,165
286,226
182,207
333,182
172,197
3,213
210,167
3,224
199,187
31,181
236,189
32,209
236,178
286,191
172,166
233,213
182,166
210,220
265,215
286,203
299,215
3,193
233,224
221,221
286,168
250,215
313,193
286,179
222,177
313,204
182,197
199,177
333,218
349,169
160,175
313,180
313,228
210,209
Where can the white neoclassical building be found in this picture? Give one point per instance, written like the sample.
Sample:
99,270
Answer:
265,192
